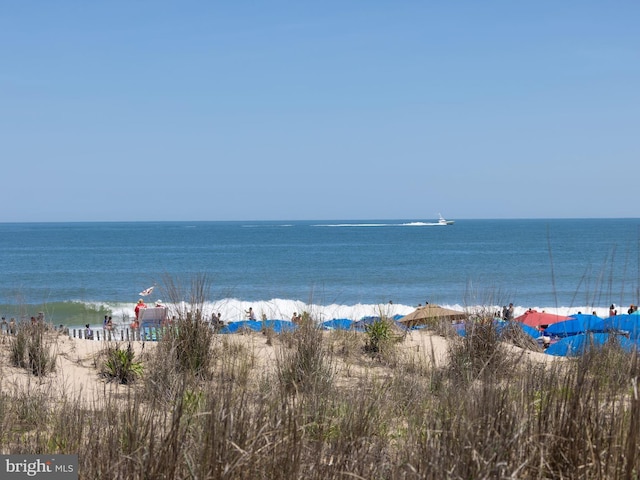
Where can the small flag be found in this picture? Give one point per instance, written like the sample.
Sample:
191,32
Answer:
147,292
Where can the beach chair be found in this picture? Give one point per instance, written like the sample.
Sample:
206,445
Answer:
151,320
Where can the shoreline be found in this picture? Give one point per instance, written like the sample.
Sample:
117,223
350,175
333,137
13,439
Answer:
75,315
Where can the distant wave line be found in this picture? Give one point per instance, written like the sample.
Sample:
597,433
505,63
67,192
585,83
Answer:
234,309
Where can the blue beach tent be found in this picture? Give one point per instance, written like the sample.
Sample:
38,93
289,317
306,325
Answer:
460,328
579,323
500,326
360,325
337,324
532,332
235,327
279,326
576,345
624,324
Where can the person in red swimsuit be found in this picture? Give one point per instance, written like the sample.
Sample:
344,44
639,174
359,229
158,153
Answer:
139,306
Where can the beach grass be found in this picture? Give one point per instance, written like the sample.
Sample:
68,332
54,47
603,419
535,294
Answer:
319,405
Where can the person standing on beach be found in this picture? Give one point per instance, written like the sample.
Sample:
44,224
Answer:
216,320
509,312
139,305
88,333
250,314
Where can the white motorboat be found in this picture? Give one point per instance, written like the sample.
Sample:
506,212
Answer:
443,221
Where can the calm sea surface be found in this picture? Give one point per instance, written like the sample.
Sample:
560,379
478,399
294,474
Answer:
75,272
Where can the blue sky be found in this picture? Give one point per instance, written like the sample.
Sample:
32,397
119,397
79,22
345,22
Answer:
121,110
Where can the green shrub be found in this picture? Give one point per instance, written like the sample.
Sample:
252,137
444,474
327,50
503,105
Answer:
378,333
120,364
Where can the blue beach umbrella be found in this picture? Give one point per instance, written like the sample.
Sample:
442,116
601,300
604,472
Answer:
279,326
532,332
500,326
460,328
361,325
579,323
624,324
576,345
337,324
235,327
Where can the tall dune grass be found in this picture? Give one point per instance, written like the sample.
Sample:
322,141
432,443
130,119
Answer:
329,410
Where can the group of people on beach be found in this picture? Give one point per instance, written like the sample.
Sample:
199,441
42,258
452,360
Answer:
507,312
9,326
107,323
613,311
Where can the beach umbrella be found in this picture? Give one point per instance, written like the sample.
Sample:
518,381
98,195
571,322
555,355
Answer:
279,326
531,331
625,324
235,327
429,313
578,344
577,324
337,324
500,325
361,325
537,319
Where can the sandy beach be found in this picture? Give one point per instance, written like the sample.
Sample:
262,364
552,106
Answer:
77,362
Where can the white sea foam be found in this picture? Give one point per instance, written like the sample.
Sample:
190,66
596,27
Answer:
232,309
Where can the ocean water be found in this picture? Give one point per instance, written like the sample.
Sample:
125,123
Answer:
77,272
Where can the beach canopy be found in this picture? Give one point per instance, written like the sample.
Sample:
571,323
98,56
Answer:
624,324
533,318
577,324
429,313
576,345
500,326
235,327
278,326
362,324
337,324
